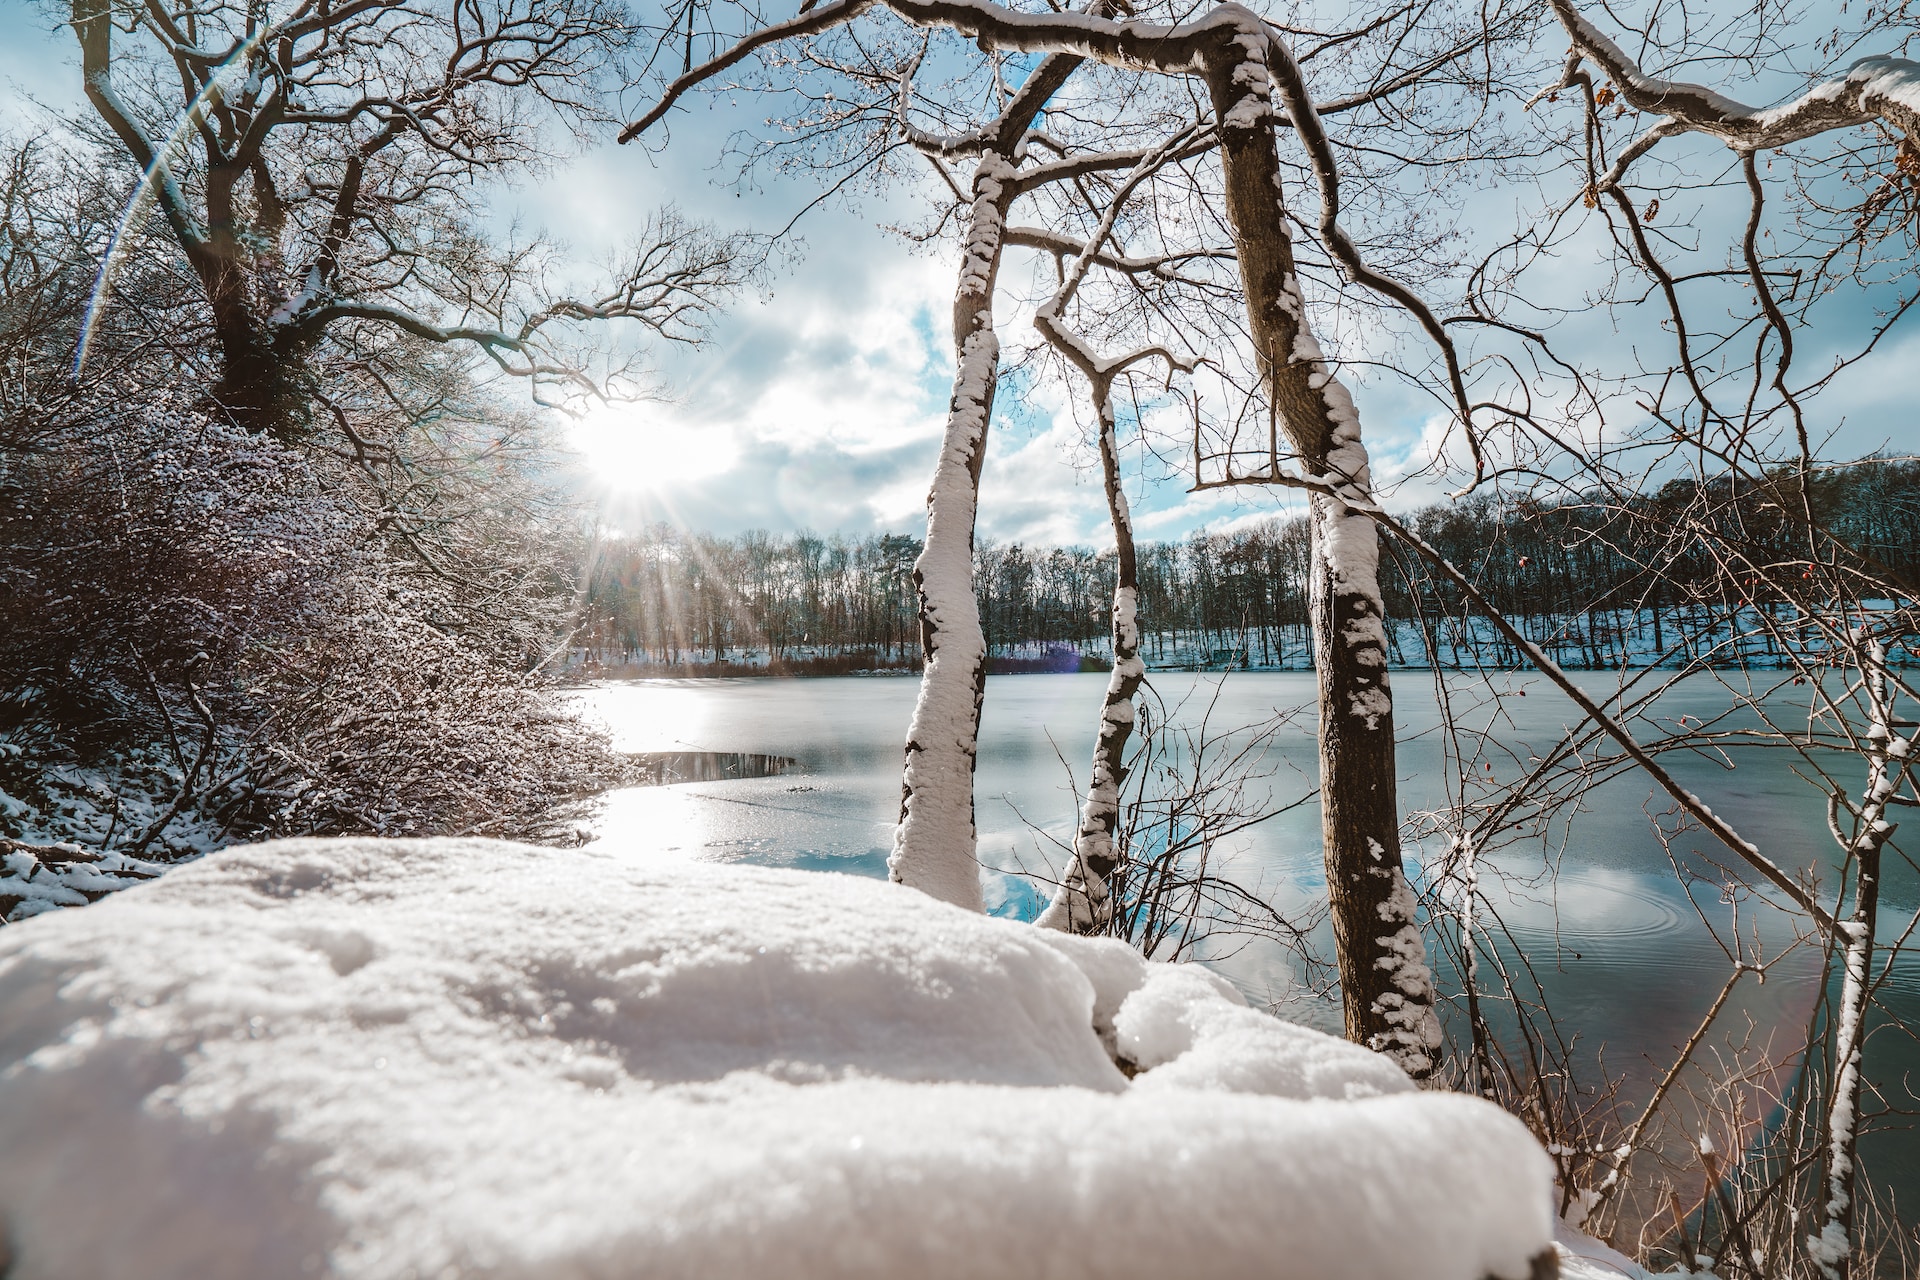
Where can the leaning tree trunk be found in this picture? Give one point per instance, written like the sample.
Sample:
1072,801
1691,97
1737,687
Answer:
933,847
1084,901
1386,986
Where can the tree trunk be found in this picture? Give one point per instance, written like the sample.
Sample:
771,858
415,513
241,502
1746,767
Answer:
933,847
1386,987
1084,901
262,385
1831,1248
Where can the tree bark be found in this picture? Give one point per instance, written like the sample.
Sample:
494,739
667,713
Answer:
263,384
1084,901
1831,1247
1386,986
934,843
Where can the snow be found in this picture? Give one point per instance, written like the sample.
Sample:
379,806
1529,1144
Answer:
1187,1028
1888,81
1584,1258
981,255
363,1058
933,847
1250,79
1414,1037
39,878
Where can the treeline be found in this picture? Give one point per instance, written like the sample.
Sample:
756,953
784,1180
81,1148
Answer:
678,599
1596,582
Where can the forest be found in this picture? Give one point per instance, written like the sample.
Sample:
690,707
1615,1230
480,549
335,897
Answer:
1595,585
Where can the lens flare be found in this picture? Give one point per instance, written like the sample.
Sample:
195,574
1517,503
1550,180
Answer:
159,173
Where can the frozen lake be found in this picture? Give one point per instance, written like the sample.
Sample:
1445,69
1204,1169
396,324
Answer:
1622,951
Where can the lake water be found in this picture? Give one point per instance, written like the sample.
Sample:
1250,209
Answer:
1625,955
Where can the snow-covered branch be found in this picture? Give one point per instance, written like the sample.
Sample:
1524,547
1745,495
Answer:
1878,88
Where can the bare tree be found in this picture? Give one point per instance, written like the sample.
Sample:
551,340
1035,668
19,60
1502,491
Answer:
1744,414
1704,439
314,166
1239,60
1083,902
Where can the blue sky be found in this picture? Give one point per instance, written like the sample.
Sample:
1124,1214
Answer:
818,404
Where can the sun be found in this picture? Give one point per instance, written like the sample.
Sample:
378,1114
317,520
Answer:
638,448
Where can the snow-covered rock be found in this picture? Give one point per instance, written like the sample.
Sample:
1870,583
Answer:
365,1058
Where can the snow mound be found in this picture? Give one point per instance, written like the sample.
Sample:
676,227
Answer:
1584,1258
363,1058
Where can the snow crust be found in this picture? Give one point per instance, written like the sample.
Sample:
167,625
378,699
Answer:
363,1058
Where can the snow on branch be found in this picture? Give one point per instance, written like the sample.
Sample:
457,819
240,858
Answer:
1878,88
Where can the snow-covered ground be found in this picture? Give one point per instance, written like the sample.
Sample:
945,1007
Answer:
467,1058
36,878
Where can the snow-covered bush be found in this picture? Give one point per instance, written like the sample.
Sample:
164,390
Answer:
362,1058
216,640
214,634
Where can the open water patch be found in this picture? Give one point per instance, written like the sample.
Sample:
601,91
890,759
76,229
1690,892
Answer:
664,768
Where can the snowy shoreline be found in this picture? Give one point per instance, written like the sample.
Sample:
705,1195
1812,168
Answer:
1621,640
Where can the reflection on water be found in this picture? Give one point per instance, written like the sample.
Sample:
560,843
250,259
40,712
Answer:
664,768
1598,908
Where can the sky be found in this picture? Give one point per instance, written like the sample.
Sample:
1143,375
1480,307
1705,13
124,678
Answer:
817,402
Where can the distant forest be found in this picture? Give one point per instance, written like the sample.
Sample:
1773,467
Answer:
1598,583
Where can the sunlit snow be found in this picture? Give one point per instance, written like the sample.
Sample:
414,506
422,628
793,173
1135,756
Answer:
365,1058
